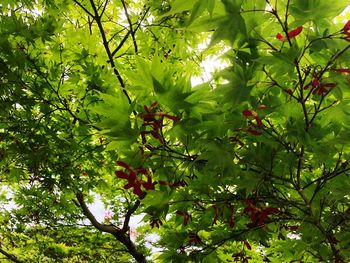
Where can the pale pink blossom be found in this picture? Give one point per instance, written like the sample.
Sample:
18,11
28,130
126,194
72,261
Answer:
108,214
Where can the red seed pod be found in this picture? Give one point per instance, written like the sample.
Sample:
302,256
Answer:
314,82
343,70
249,113
248,246
291,34
346,27
307,86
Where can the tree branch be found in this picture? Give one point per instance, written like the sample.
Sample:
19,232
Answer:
327,177
115,231
127,35
104,8
121,43
130,25
103,228
131,210
84,8
10,256
97,18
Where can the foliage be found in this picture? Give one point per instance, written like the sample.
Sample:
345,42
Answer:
98,105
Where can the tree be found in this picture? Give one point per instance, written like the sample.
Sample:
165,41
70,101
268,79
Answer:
97,104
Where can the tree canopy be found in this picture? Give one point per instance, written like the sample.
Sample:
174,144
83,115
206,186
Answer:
97,105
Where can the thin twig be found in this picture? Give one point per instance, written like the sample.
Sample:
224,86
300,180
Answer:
84,8
10,256
108,51
130,25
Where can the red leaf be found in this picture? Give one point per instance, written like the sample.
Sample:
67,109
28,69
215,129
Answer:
194,239
262,107
148,117
255,218
148,185
141,170
314,82
280,37
347,26
132,176
179,213
249,202
122,164
307,86
343,70
258,121
178,184
157,125
173,118
295,32
121,175
149,147
128,185
186,216
155,134
315,91
294,228
249,113
260,220
153,105
183,183
216,214
322,91
253,132
137,189
291,34
247,245
232,217
270,210
249,210
329,85
163,183
148,109
347,34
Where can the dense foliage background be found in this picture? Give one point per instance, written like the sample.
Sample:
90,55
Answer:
97,105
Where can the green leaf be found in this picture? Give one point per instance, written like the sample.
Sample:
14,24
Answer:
178,6
158,87
316,9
